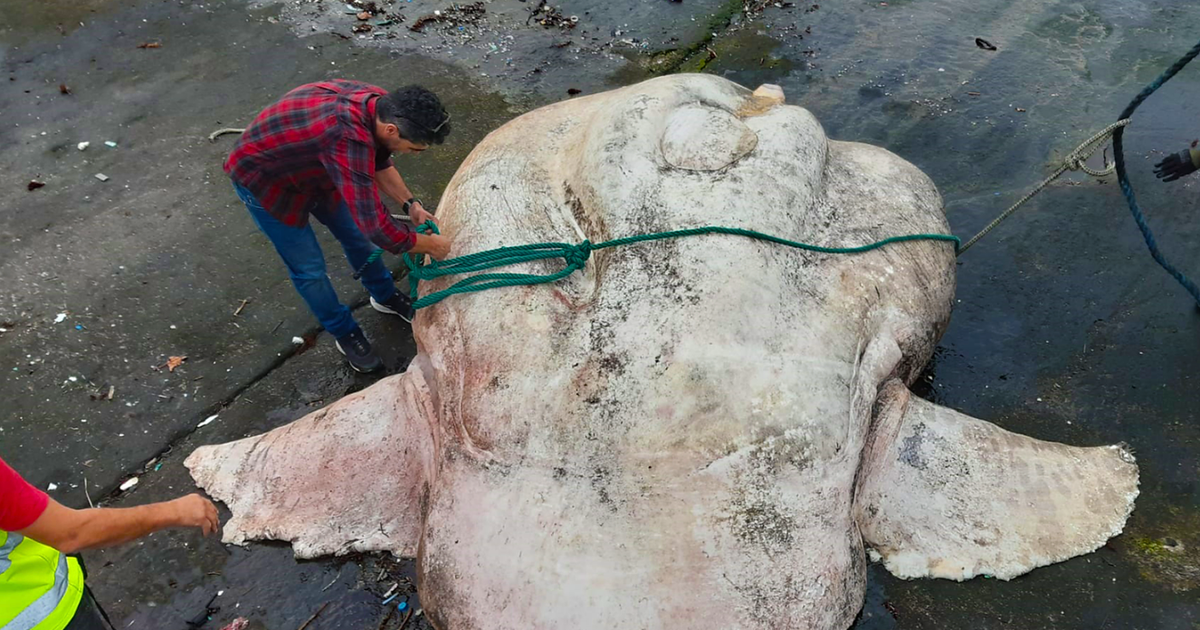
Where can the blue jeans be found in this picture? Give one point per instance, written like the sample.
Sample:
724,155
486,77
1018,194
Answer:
306,262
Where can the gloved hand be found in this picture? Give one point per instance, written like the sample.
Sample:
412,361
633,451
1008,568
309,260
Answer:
1178,165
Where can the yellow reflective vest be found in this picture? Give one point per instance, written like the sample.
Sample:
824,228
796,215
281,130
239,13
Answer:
40,588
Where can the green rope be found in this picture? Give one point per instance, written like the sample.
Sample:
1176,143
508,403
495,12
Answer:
576,257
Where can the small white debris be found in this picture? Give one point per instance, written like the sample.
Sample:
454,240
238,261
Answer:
59,318
102,177
52,487
129,483
220,593
207,420
83,145
299,341
110,144
72,379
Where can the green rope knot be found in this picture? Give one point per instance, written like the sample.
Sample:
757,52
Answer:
578,255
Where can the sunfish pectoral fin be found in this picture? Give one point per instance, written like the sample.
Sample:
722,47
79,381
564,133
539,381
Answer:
942,494
349,477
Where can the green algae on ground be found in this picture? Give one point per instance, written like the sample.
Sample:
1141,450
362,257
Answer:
1168,551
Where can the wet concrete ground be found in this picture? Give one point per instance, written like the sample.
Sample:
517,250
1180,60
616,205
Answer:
1065,330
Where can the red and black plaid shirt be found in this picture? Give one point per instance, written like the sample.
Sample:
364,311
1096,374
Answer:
314,149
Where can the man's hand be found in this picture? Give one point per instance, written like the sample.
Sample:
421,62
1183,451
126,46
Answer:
1177,165
196,511
419,215
435,245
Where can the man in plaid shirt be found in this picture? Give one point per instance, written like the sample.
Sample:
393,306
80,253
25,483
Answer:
324,150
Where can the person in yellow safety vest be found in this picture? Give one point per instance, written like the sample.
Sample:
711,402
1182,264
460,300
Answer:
41,586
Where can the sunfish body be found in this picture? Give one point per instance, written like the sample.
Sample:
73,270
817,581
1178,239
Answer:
698,432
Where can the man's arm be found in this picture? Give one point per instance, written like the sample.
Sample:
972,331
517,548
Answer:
351,167
390,182
69,530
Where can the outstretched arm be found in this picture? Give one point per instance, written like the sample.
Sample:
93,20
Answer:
1178,165
69,530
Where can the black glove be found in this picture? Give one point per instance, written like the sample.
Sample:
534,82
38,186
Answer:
1176,165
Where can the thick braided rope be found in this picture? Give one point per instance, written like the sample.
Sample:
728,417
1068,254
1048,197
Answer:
576,257
1127,188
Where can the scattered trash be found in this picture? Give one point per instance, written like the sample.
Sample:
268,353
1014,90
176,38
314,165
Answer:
35,184
550,17
574,91
129,483
110,144
361,27
174,362
1021,109
383,22
52,487
207,420
333,581
78,326
102,177
457,14
63,89
299,341
984,44
58,319
239,309
389,600
112,390
83,145
402,605
364,16
351,9
158,466
86,493
150,45
972,93
237,624
314,616
272,20
206,616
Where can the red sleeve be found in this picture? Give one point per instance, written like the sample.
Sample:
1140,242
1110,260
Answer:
20,503
351,165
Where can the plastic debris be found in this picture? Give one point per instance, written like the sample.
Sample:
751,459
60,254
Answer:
984,44
102,177
237,624
110,144
58,319
129,483
35,184
402,605
299,341
52,487
150,45
63,89
78,326
207,420
174,362
83,145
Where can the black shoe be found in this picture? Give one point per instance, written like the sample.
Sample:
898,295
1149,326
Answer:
358,352
398,304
